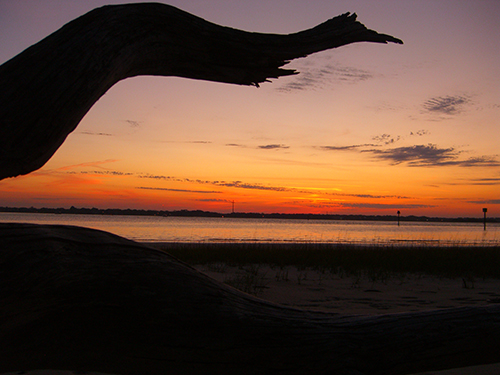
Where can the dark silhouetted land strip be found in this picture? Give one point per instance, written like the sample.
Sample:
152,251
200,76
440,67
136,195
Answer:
242,215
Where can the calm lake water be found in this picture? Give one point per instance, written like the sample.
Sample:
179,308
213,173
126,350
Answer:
200,229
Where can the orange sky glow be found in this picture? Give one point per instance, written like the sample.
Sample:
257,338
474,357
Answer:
364,129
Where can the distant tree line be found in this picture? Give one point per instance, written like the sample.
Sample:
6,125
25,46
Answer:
247,215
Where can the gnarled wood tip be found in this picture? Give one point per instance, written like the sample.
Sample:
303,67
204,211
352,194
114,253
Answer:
47,89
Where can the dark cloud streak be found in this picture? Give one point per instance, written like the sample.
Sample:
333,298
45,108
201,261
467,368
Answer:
91,133
447,105
133,123
385,206
273,147
236,185
178,190
431,156
109,173
250,186
420,133
156,177
312,77
418,155
386,139
346,148
487,201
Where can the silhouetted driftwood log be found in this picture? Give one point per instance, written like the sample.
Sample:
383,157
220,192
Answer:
80,299
46,90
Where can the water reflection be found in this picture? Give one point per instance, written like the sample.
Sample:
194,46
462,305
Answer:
193,229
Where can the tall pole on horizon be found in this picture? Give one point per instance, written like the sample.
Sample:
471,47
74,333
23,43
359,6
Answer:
399,213
484,220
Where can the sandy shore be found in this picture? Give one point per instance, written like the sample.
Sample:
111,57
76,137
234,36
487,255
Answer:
313,290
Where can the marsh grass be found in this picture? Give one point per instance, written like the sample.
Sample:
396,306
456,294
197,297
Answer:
281,274
250,279
219,267
377,262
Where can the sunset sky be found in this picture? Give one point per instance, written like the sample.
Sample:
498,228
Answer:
366,128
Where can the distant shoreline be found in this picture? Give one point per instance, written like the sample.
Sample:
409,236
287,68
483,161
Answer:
242,215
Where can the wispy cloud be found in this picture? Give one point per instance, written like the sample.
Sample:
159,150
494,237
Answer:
381,140
370,196
386,139
484,181
155,177
92,133
133,123
417,155
347,148
230,184
305,80
179,190
273,147
378,206
94,164
212,200
486,201
420,133
312,77
385,205
109,173
431,155
350,74
253,186
51,198
250,186
446,105
330,194
471,182
480,161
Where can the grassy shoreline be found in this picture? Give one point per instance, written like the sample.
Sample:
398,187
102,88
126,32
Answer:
442,261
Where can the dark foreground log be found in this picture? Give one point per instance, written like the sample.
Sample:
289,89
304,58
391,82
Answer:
80,299
46,90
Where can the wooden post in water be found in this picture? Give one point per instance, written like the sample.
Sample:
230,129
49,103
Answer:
399,213
484,220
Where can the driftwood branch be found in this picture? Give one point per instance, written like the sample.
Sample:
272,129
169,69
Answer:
46,90
80,299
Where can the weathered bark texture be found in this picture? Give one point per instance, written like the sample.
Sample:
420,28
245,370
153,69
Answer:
46,90
79,299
